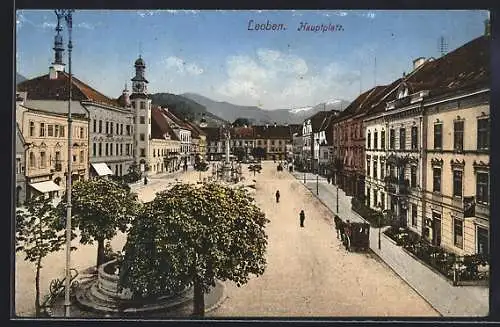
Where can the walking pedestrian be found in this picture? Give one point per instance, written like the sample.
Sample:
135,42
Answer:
328,179
277,196
302,217
338,222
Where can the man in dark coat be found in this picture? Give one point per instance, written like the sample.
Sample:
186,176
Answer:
302,217
277,196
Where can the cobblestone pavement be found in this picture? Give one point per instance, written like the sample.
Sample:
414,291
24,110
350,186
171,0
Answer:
309,273
86,255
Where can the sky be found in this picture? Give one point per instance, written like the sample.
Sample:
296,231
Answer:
223,55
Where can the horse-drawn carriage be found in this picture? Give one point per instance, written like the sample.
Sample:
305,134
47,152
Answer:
354,236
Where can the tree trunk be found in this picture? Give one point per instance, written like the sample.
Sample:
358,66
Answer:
37,287
100,252
199,299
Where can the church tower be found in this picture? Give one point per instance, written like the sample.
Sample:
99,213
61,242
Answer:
141,108
57,65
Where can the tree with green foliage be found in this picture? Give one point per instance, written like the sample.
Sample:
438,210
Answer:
192,236
239,152
259,152
39,233
100,207
133,175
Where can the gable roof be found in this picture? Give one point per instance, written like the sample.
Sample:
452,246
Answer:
160,125
175,119
272,132
44,88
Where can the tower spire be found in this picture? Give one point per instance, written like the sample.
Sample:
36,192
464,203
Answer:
58,64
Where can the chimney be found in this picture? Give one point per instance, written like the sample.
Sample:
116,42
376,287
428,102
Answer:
487,26
52,72
418,62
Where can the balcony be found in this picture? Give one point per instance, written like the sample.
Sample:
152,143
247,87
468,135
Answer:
396,185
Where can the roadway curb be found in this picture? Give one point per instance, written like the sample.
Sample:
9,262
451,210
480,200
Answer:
220,301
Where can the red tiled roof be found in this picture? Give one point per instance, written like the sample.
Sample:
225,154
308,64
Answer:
242,132
175,119
160,125
44,88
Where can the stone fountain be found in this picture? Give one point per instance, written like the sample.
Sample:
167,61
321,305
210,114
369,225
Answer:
101,295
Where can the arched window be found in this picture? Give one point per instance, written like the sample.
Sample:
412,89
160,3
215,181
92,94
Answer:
32,160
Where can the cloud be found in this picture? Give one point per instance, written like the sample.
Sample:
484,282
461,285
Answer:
279,80
181,67
21,20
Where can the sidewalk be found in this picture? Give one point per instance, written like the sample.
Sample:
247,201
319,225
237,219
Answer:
448,300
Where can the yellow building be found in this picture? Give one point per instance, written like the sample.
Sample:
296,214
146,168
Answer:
165,146
45,134
458,177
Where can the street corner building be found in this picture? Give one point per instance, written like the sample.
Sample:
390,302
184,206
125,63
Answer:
110,135
427,149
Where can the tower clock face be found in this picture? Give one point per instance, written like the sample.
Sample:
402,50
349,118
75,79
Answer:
139,87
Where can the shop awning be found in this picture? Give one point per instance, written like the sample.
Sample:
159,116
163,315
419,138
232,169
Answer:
102,169
45,187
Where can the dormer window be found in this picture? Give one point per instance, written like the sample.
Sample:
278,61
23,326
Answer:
403,92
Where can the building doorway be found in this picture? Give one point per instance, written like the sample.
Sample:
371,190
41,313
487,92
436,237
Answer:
436,229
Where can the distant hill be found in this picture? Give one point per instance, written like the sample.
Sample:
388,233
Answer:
20,78
256,115
186,108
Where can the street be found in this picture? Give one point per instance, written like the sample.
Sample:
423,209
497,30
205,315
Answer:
309,273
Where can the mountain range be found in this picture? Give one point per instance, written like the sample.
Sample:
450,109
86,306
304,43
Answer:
230,112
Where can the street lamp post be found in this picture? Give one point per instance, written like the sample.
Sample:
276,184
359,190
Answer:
67,14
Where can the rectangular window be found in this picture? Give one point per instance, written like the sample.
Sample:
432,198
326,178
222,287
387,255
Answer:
375,169
382,140
483,134
82,156
100,126
414,137
42,129
111,128
392,139
368,195
402,138
74,158
127,128
121,130
107,149
414,215
143,152
95,125
143,104
133,104
94,149
32,128
368,167
482,187
382,170
50,130
413,177
142,120
82,132
116,151
56,130
142,137
121,149
457,183
483,241
61,133
43,159
458,135
368,141
375,140
107,127
382,200
436,186
458,232
100,149
438,136
127,149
